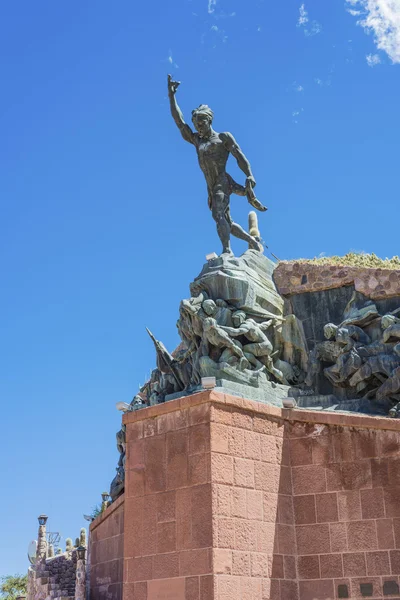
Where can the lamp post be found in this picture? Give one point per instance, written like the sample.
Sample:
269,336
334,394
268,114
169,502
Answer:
105,496
41,551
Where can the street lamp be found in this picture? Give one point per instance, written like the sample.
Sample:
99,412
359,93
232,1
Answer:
43,519
81,551
105,496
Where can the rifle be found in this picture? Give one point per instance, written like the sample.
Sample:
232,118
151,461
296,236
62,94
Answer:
166,362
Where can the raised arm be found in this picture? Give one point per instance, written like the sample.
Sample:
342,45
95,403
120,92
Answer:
234,331
176,112
243,164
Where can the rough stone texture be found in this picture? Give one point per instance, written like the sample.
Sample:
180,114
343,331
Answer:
106,553
300,277
53,578
231,499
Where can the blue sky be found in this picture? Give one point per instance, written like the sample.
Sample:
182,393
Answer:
104,218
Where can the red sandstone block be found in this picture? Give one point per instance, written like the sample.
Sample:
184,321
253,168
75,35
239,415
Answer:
207,587
323,450
361,535
199,438
236,442
165,423
254,503
395,561
219,440
221,468
164,588
134,483
372,504
239,502
228,587
338,533
304,509
181,418
385,529
333,473
394,471
243,472
355,587
133,528
390,444
289,590
392,504
268,425
166,565
276,568
177,458
301,451
195,562
341,581
284,459
199,414
221,414
135,453
298,430
198,469
222,561
155,464
222,494
252,445
270,507
242,419
396,530
166,507
285,510
289,565
331,566
246,535
269,449
357,475
166,537
139,569
149,525
250,588
308,479
266,477
378,563
192,588
285,481
286,539
317,590
201,515
267,538
308,567
134,431
327,508
225,533
365,444
350,505
183,521
149,427
313,539
380,472
259,564
241,564
135,591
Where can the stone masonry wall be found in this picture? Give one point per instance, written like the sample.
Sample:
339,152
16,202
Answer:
106,553
54,578
299,277
229,499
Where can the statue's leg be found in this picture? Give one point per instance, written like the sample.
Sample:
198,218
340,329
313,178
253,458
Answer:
219,203
240,233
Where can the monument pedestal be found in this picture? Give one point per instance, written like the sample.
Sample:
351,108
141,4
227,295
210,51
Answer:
231,499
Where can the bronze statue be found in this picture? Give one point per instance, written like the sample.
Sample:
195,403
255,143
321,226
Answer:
213,150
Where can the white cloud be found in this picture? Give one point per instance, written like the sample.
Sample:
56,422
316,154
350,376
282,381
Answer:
298,87
171,60
303,18
382,18
211,5
296,113
319,81
372,60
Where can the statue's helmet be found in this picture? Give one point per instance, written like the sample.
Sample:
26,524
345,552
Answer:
330,330
239,315
203,109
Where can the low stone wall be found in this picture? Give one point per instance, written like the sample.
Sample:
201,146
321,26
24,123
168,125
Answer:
53,578
106,553
299,277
